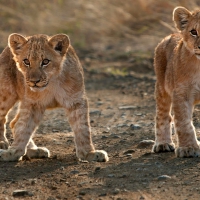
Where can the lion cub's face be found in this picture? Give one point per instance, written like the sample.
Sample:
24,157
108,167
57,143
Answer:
38,57
189,25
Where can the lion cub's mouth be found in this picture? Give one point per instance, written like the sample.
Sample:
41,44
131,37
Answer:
37,89
197,55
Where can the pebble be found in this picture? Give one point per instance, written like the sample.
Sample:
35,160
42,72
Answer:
145,143
55,131
99,103
138,114
122,125
74,172
111,175
97,169
129,155
33,181
106,131
115,136
135,126
96,112
127,107
129,151
22,193
123,176
104,137
116,191
82,192
51,198
102,195
83,174
163,177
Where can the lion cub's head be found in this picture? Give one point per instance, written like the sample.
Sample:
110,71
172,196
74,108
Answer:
38,57
189,24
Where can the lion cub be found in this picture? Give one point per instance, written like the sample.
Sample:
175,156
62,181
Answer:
177,67
42,72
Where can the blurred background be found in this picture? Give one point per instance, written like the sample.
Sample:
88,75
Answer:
109,31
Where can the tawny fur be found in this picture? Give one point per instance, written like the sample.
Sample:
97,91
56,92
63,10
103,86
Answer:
42,72
177,67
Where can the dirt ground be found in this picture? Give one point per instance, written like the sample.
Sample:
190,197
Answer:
122,111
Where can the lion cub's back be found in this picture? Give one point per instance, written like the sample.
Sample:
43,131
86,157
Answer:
166,47
7,66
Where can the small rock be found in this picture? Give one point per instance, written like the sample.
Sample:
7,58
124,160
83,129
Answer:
74,172
135,126
33,181
99,103
106,131
97,169
129,155
115,136
138,114
141,198
122,125
163,177
67,183
95,112
102,195
111,175
116,191
22,193
83,174
127,107
82,192
104,136
53,187
129,151
145,143
51,198
123,176
55,131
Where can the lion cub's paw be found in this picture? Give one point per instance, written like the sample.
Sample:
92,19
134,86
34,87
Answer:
39,152
98,156
10,155
4,145
185,152
166,147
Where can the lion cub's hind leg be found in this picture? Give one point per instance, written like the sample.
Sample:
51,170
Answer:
6,103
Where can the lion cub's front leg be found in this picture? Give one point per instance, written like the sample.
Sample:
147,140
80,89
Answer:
188,145
163,142
23,127
79,120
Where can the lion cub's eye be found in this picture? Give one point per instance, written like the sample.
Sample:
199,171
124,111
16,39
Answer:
45,62
26,62
193,32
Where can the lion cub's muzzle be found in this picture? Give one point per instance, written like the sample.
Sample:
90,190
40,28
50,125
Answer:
37,84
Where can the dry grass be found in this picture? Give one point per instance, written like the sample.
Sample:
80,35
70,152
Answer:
92,24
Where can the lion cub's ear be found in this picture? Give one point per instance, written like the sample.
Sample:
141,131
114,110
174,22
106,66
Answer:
181,16
15,41
60,43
